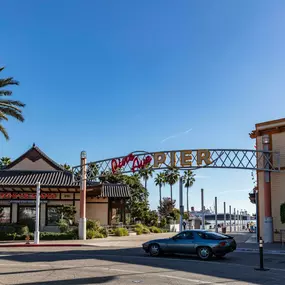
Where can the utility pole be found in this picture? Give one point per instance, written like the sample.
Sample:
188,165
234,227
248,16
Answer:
202,204
230,208
216,215
181,204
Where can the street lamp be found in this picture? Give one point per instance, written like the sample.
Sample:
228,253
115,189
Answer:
265,139
83,154
268,221
82,220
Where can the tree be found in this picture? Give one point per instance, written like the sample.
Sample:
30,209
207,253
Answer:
66,167
4,161
9,108
160,181
137,204
146,173
188,180
172,176
67,212
167,207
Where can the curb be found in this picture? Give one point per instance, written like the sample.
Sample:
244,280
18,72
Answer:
40,245
281,252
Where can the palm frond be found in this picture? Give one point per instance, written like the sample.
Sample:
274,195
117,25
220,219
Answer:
5,93
4,132
1,68
8,81
12,102
13,113
2,116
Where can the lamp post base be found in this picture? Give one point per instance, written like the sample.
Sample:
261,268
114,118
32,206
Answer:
82,228
261,269
36,237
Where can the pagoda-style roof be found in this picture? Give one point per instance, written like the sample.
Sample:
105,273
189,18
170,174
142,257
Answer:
35,166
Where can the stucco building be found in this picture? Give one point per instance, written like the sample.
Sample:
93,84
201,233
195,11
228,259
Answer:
272,194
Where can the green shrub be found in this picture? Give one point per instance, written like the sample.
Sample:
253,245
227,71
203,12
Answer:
155,230
92,225
57,236
90,234
138,231
63,226
98,235
103,231
141,229
146,230
121,232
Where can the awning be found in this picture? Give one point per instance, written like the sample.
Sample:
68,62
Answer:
110,191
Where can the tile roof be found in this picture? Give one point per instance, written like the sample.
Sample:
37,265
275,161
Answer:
30,178
13,178
115,190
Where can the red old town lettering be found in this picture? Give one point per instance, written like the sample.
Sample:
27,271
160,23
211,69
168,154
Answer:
26,196
118,163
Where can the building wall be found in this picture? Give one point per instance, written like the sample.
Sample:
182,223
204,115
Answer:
277,185
98,211
38,165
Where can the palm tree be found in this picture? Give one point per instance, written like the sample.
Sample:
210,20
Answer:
8,108
4,161
146,173
172,176
160,181
188,180
66,167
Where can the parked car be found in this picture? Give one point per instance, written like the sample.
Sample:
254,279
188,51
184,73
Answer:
203,243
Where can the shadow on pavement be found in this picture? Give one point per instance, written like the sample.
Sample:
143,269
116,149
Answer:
216,268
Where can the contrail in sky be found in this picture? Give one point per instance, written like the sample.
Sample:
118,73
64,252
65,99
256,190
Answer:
176,135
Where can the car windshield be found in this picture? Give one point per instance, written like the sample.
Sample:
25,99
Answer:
215,236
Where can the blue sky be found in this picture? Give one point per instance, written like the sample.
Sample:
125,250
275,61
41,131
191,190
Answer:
112,77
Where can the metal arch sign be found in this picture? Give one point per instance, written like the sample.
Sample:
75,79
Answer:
185,159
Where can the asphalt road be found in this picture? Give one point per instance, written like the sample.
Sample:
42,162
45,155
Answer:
89,265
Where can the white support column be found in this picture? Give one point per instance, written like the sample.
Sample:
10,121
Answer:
235,220
230,208
216,215
82,221
202,206
37,226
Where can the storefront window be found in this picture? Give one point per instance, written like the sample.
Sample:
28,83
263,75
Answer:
5,215
53,216
27,215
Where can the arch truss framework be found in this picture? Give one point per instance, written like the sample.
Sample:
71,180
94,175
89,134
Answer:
183,159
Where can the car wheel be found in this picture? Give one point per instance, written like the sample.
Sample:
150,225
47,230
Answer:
204,253
154,250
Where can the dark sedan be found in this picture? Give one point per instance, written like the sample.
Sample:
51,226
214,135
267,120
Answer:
203,243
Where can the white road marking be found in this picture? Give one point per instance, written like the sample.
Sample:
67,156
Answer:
185,279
